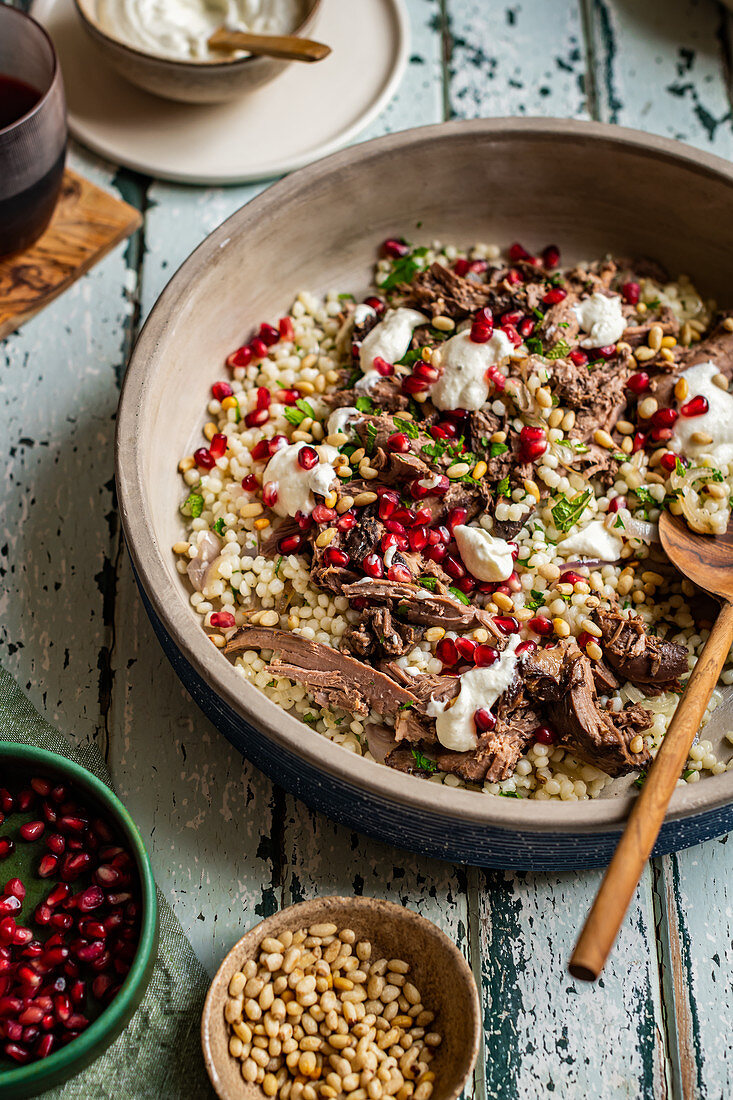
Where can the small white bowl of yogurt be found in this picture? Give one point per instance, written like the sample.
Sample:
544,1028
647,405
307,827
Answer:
161,45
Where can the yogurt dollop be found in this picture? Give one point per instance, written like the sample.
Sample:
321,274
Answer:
487,558
602,318
594,541
296,486
480,688
389,340
463,383
717,422
180,29
340,419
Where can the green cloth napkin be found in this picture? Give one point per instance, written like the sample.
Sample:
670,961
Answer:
158,1055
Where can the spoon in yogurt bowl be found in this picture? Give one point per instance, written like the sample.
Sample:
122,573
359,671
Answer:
289,47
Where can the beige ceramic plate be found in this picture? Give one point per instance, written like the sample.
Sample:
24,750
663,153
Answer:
308,111
590,188
437,968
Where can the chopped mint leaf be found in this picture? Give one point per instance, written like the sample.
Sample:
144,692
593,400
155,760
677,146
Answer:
404,269
563,324
372,431
445,448
567,512
458,595
405,706
428,582
502,487
538,314
364,404
293,415
620,523
537,600
346,298
424,763
410,357
220,527
508,794
484,440
679,469
305,408
193,505
645,496
271,683
498,449
639,781
686,775
534,345
278,564
311,719
409,427
574,444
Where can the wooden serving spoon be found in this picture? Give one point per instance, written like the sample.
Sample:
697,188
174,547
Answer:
708,561
287,46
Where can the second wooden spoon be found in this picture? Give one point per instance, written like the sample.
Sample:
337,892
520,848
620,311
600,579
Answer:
708,561
287,46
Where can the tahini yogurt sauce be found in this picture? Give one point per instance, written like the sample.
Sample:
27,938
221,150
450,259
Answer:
296,486
602,318
717,422
463,383
389,340
480,688
179,29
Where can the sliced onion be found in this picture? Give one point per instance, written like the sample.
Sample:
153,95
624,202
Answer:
206,554
632,528
699,517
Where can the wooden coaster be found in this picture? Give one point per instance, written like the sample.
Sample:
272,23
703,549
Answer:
87,223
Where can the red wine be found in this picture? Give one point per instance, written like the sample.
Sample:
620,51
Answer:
24,216
16,99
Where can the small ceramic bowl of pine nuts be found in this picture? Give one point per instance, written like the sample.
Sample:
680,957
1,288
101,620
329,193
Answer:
342,999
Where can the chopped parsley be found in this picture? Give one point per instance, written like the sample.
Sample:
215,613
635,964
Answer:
566,512
574,444
428,582
444,448
535,345
424,763
193,505
508,794
620,523
498,449
220,527
679,469
405,269
458,595
559,351
502,487
311,719
537,600
278,564
645,496
405,706
410,357
686,775
407,426
372,431
364,404
346,298
640,779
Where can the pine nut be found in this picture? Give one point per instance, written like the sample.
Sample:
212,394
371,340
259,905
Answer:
326,537
443,324
362,499
479,470
594,651
458,469
603,439
648,407
636,744
643,354
681,389
702,439
720,381
337,439
248,511
344,503
434,633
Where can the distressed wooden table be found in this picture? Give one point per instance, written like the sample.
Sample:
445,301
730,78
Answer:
227,846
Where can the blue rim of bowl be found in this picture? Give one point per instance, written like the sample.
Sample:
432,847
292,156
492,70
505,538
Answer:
34,1073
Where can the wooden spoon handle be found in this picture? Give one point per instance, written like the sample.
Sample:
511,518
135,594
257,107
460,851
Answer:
646,817
287,46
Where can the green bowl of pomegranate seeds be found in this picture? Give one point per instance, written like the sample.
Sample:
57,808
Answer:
78,919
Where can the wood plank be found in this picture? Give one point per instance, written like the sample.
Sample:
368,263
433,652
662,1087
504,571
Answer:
86,224
662,68
59,398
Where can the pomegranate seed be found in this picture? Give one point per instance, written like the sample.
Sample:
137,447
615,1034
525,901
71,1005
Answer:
250,483
223,620
62,1005
494,375
668,462
30,1015
220,390
532,443
435,553
17,1053
218,445
290,544
259,348
399,442
583,638
25,800
285,328
322,514
41,786
7,803
388,501
570,577
606,352
479,266
242,357
466,648
544,735
269,493
203,458
376,303
395,248
399,573
616,503
287,397
412,384
525,328
261,450
418,538
56,843
551,256
465,584
513,277
456,518
269,335
101,985
42,914
485,655
518,252
59,893
639,382
638,441
382,367
264,398
461,267
9,904
480,334
49,813
425,372
257,418
10,1006
47,866
276,444
346,521
513,317
666,417
484,720
70,824
525,647
631,293
404,516
307,457
555,295
578,357
484,317
45,1046
28,977
337,557
453,567
660,435
447,652
74,864
62,922
373,565
696,406
507,624
15,887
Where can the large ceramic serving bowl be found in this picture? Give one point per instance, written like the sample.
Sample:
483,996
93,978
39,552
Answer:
591,189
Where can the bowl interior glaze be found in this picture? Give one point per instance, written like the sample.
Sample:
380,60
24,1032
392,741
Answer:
590,188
